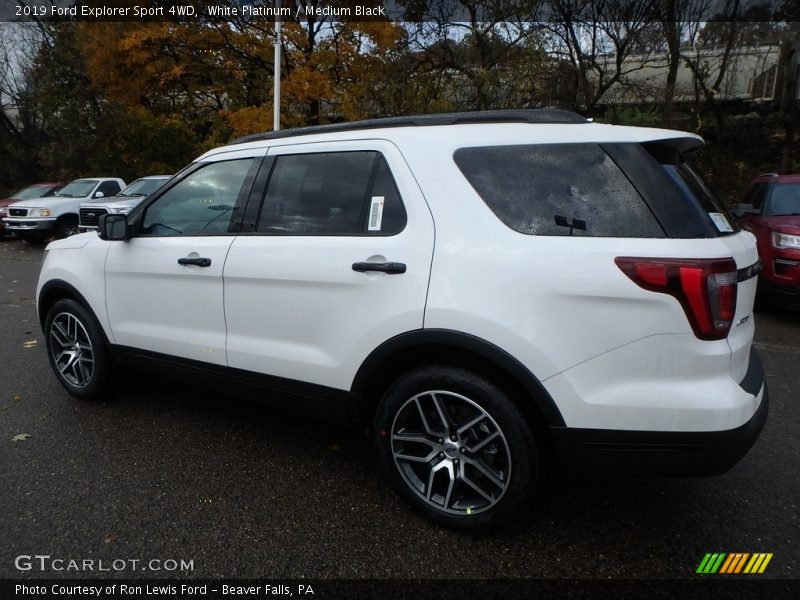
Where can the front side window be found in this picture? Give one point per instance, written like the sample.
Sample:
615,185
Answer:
332,193
558,189
201,203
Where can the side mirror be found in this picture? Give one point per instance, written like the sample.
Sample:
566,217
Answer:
741,210
99,195
113,227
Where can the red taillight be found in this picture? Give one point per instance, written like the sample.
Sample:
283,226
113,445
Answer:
705,288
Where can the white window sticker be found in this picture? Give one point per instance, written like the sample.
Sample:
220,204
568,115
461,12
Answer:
375,213
721,222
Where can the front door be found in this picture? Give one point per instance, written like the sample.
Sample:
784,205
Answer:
164,286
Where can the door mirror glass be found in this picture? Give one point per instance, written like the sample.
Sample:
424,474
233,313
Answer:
113,227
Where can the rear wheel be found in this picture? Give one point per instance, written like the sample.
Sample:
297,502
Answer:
76,349
456,447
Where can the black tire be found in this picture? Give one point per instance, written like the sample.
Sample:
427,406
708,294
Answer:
408,410
34,238
66,226
69,323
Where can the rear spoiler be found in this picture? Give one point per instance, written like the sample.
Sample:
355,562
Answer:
672,150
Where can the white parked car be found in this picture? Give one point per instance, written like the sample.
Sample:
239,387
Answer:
122,203
37,219
493,294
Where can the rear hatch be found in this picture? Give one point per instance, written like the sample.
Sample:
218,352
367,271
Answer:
687,209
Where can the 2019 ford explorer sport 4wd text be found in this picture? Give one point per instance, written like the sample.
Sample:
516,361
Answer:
494,294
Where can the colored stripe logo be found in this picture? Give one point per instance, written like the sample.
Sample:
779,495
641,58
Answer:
734,563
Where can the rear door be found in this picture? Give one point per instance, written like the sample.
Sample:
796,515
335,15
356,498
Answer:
338,261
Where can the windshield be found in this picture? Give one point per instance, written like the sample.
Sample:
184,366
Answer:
78,188
142,187
783,199
34,191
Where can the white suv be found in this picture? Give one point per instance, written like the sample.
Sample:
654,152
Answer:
494,294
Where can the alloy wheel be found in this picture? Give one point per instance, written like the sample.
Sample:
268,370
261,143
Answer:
71,349
451,452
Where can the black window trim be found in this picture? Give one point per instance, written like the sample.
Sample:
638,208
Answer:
136,216
258,197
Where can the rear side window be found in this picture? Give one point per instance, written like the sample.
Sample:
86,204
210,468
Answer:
558,189
332,193
679,199
695,191
109,188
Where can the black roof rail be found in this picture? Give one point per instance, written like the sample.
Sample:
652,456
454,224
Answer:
524,115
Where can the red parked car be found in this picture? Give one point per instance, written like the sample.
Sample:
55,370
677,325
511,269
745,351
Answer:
37,190
771,210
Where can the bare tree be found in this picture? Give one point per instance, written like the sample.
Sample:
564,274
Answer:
483,47
597,38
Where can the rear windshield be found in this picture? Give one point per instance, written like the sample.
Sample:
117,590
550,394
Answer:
600,190
558,189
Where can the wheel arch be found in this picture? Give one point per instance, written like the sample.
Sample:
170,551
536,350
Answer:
58,289
431,346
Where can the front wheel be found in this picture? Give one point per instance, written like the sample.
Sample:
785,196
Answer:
76,349
66,226
455,446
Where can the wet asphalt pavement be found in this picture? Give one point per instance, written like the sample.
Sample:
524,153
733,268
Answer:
169,472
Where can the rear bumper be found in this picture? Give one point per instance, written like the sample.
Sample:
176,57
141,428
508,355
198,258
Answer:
665,453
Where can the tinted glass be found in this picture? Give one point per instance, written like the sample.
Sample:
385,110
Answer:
332,193
695,191
558,189
109,188
201,203
393,218
783,199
